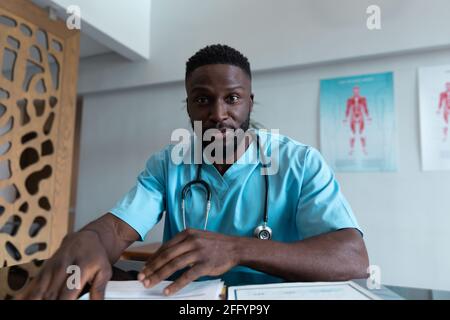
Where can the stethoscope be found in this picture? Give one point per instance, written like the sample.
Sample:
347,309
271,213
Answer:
263,231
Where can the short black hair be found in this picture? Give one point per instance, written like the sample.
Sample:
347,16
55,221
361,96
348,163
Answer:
218,54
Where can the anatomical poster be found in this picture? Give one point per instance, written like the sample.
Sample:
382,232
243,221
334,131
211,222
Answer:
357,122
434,101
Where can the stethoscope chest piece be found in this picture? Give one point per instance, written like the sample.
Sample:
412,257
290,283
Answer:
263,232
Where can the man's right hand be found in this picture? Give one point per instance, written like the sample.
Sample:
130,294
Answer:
83,249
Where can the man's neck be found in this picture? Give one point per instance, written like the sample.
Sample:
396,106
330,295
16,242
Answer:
238,152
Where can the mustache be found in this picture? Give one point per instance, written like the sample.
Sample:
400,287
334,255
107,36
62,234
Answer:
219,126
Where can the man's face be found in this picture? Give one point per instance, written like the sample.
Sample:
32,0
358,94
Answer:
356,91
220,96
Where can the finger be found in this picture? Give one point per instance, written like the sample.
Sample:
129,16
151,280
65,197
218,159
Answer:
167,270
37,287
26,290
180,237
175,240
165,257
32,289
98,288
192,274
69,293
58,279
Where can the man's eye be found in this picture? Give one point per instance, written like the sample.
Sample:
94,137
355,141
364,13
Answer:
233,99
201,100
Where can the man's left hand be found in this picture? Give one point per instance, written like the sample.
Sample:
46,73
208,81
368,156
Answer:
205,253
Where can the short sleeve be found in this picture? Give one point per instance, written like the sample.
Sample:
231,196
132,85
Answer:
322,208
142,207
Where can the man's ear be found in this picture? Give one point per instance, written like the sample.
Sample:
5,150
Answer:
251,102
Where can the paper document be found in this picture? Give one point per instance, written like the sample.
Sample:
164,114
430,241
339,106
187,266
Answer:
302,291
134,290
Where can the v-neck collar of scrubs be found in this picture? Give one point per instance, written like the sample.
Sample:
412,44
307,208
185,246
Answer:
239,170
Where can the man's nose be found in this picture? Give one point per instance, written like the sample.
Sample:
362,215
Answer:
219,112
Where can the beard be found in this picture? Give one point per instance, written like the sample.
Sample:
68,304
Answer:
231,141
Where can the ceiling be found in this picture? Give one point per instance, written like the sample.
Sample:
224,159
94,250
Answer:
88,46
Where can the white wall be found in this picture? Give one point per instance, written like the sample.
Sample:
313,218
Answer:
123,26
405,214
272,33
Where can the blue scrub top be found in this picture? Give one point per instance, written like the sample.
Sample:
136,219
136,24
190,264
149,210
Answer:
304,198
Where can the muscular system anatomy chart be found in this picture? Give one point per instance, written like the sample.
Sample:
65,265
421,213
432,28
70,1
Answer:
356,113
357,122
434,101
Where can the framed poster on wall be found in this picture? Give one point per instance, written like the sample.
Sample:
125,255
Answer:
357,122
434,102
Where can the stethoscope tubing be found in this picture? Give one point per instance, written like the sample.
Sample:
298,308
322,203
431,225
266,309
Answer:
206,186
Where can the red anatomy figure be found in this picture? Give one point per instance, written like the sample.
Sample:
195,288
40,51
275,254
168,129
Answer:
444,103
356,111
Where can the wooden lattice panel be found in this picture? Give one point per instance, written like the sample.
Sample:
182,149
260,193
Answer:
14,279
37,101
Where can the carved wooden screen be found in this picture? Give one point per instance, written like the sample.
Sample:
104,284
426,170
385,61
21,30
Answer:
39,60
